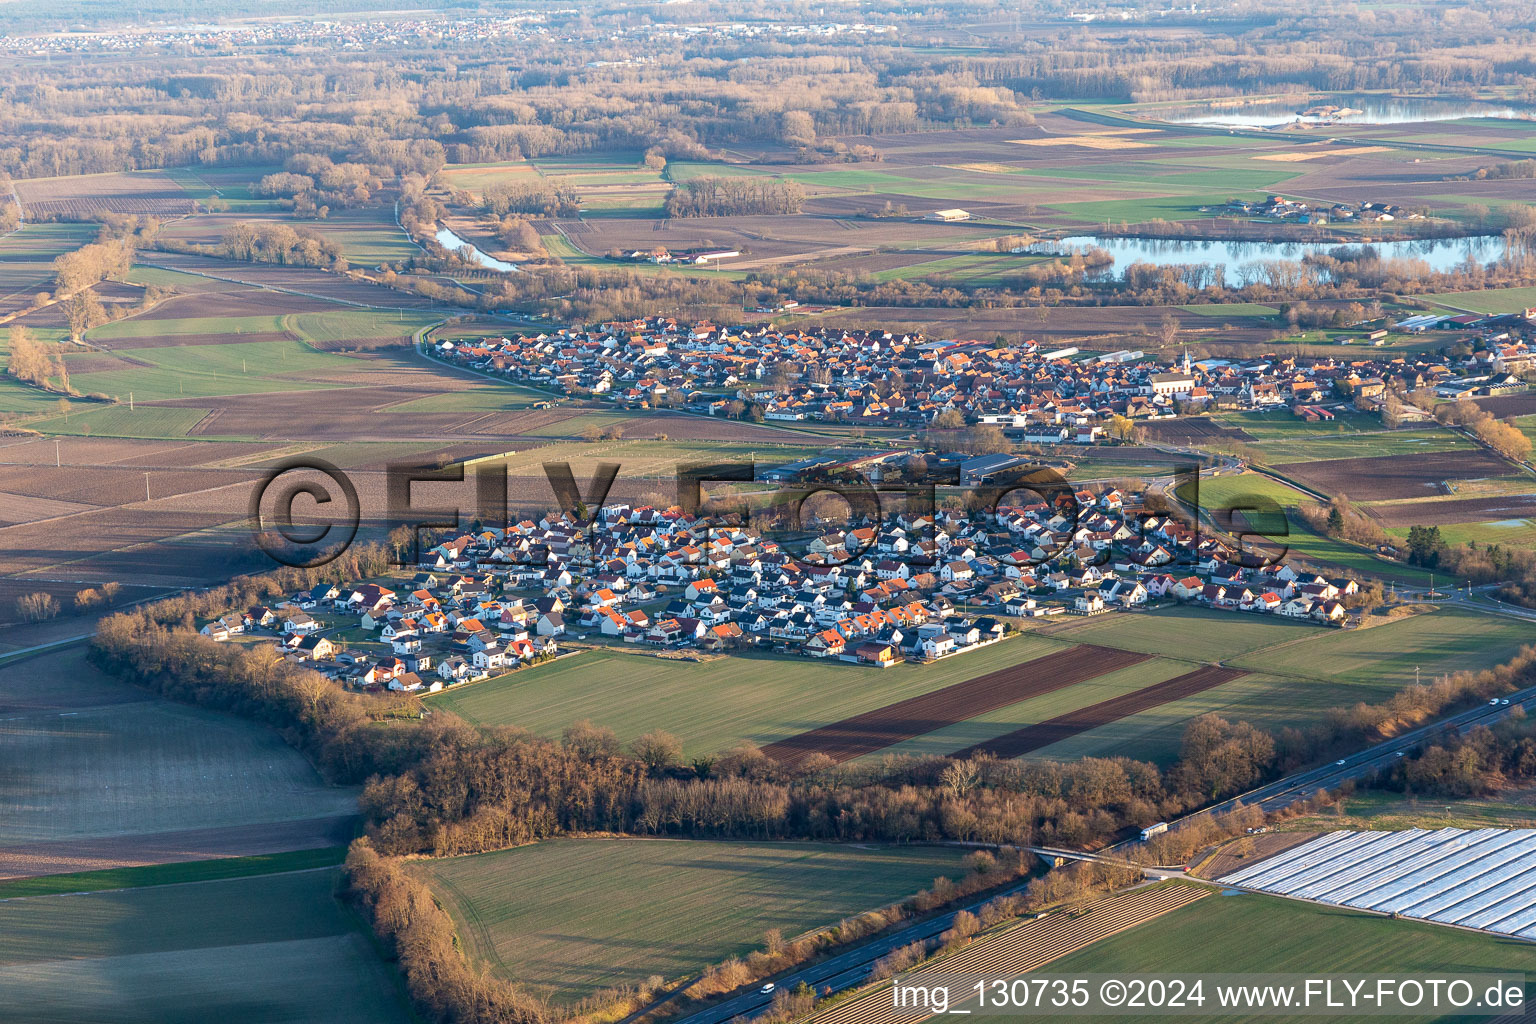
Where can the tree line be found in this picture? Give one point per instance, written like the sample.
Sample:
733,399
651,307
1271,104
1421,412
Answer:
712,196
439,786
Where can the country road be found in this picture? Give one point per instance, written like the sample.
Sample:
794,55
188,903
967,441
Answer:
853,967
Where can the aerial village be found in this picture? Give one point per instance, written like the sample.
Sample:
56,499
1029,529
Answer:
879,378
906,588
899,588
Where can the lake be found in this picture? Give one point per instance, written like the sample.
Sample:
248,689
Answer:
1366,109
1439,253
453,243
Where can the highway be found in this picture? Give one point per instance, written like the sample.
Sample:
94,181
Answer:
853,966
1304,784
839,972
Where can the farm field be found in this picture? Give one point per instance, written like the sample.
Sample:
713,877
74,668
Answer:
714,704
1253,933
1293,540
1226,309
1360,445
1515,532
1281,424
18,399
1382,658
1493,300
1189,632
1293,680
571,916
1380,809
983,729
101,774
26,260
134,192
368,236
241,951
1392,477
196,372
1030,946
1064,727
874,730
1230,491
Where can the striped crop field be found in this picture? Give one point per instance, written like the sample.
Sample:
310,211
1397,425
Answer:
1026,948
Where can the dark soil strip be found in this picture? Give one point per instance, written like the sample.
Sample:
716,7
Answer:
874,730
1054,730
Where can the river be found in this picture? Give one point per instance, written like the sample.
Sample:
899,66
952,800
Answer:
1365,109
453,243
1440,253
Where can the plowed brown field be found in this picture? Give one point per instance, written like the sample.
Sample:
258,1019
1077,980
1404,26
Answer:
1388,477
874,730
1054,730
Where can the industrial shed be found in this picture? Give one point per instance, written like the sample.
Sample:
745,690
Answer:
1474,878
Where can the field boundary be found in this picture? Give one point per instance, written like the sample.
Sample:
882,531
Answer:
1105,712
874,730
1027,947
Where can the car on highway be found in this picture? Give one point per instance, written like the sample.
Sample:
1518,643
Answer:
1339,762
766,988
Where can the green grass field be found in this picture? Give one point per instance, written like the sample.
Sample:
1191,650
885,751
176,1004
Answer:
1513,532
1265,934
1382,809
173,874
712,705
237,368
1297,672
972,268
108,762
239,951
170,327
572,916
1382,658
45,241
119,421
997,723
1493,300
1232,309
1237,491
368,235
1281,423
1190,633
336,329
1137,210
17,398
1362,445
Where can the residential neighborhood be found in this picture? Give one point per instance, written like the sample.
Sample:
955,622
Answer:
906,588
1044,396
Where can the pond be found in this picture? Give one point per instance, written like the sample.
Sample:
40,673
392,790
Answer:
1352,109
453,243
1440,253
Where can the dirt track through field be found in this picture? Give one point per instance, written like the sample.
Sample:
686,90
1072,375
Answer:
1054,730
915,716
1026,948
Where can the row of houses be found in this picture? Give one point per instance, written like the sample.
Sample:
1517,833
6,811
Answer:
885,378
904,587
